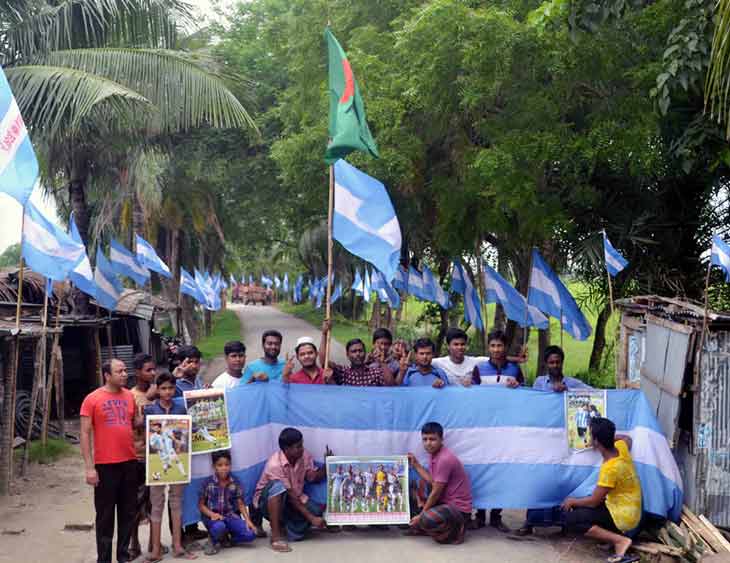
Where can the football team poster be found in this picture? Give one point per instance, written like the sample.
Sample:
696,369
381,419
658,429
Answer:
580,406
207,407
168,449
367,490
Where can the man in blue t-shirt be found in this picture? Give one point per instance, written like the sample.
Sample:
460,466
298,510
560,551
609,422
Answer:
270,367
422,373
498,370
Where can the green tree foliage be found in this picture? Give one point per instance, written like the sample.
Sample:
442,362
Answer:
10,256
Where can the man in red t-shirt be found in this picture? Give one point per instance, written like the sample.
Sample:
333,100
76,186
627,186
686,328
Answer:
110,414
448,506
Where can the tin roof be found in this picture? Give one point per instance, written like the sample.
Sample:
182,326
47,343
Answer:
674,308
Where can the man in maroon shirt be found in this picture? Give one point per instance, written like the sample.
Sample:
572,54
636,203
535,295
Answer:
358,373
448,506
311,373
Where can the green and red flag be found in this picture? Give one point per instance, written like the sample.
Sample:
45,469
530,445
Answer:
348,128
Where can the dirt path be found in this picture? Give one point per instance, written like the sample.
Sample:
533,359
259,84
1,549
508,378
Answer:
51,496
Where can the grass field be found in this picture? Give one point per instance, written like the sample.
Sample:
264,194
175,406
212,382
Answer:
173,475
577,353
225,326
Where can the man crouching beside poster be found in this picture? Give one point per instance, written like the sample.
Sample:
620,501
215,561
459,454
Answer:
448,506
280,497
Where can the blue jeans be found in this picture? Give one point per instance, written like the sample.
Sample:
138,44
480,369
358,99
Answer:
234,525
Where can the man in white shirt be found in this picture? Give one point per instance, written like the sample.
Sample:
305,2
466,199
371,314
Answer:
235,352
458,366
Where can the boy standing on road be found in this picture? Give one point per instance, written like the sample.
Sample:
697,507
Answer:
270,367
235,352
279,495
109,413
448,506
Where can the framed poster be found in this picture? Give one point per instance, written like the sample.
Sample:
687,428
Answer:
168,449
367,490
580,406
207,408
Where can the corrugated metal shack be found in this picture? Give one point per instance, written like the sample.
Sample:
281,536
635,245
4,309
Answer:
687,380
85,340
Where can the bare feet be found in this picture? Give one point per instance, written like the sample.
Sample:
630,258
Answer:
622,546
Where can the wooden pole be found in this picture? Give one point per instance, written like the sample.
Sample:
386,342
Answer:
482,296
527,307
610,290
13,380
328,304
704,326
50,380
37,384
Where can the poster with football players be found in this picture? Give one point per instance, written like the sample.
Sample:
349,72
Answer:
168,449
207,407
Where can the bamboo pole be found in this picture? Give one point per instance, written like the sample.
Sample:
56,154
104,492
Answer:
527,307
13,380
610,289
50,381
328,304
697,367
482,296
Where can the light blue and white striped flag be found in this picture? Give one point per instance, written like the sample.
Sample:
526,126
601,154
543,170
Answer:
549,294
188,286
364,221
415,284
232,280
400,281
486,428
434,289
384,290
285,283
461,283
357,284
124,263
82,276
366,286
721,255
108,287
499,290
337,293
47,248
147,257
277,282
18,163
614,261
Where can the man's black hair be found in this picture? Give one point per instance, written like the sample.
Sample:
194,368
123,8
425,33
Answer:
424,343
165,377
271,332
289,437
433,428
379,333
497,335
234,347
141,359
455,332
352,342
106,367
550,350
188,352
603,431
221,454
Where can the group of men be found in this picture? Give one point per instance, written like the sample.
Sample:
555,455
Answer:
116,466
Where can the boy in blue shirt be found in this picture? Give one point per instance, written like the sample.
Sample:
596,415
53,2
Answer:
422,373
270,367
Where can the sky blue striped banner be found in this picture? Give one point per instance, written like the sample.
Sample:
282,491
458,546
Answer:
511,441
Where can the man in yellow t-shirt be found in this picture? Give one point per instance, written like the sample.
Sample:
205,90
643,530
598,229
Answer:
614,508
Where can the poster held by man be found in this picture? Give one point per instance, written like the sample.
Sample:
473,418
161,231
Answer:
580,406
168,452
207,407
367,490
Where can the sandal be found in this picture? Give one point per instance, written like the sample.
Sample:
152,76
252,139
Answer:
185,555
623,558
212,548
280,546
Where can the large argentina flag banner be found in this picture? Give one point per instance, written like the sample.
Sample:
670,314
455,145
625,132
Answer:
18,163
511,441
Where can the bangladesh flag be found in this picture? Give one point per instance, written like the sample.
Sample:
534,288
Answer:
348,129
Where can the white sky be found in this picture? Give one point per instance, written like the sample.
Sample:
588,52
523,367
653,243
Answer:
10,210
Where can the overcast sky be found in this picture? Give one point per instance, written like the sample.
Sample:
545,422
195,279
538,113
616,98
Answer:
10,210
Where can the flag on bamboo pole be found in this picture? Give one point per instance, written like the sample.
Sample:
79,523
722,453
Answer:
82,275
18,163
615,262
357,284
348,127
124,263
721,255
147,257
108,287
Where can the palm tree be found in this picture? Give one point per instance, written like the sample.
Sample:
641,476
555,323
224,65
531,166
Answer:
717,85
100,76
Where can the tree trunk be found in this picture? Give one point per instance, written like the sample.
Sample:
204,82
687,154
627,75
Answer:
375,316
599,339
443,327
78,175
543,341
